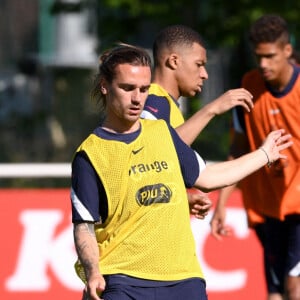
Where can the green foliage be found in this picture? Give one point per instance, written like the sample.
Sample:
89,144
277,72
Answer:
221,23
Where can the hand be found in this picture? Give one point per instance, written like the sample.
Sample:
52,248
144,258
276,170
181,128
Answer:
199,203
94,287
231,99
217,223
275,142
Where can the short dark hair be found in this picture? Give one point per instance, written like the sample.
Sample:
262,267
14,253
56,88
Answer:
110,59
173,36
269,29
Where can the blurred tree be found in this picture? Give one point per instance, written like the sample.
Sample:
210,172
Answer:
221,23
63,95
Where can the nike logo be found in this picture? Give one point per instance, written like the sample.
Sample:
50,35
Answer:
137,151
155,110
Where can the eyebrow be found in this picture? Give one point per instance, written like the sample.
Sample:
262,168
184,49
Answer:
133,85
201,61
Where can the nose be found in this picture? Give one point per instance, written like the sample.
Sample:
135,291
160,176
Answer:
263,61
203,73
136,96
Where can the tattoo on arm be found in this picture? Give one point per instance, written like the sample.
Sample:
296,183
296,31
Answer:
86,246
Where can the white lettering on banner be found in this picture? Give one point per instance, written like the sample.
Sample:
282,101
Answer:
43,248
40,249
221,280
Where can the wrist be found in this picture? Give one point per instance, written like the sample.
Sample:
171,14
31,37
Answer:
209,108
269,162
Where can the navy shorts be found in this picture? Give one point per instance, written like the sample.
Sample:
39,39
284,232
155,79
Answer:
117,288
281,244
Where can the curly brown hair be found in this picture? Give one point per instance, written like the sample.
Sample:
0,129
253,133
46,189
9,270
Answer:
269,29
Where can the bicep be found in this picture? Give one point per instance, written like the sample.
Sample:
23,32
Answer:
88,198
190,162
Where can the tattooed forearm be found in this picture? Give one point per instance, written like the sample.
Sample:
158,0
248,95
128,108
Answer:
86,246
82,232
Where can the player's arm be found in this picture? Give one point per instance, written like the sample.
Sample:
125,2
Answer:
239,146
217,222
195,124
86,247
222,174
87,209
88,253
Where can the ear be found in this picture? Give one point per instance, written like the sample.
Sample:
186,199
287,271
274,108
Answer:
288,50
103,88
172,61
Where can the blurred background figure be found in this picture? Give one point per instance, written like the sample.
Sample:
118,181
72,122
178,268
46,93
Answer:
271,195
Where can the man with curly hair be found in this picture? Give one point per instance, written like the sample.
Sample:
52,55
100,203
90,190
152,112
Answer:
272,195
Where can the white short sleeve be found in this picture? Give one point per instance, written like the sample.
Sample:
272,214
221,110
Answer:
201,162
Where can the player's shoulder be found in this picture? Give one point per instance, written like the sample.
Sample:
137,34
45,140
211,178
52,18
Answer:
155,103
155,98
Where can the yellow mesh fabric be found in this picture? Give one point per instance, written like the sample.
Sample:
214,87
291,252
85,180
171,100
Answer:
176,117
147,233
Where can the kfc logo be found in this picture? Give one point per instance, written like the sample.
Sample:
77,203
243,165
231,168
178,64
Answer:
39,253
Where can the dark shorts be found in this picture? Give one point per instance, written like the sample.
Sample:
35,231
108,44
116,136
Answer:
281,244
120,288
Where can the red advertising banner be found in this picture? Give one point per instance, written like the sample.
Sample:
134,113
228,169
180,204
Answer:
37,251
